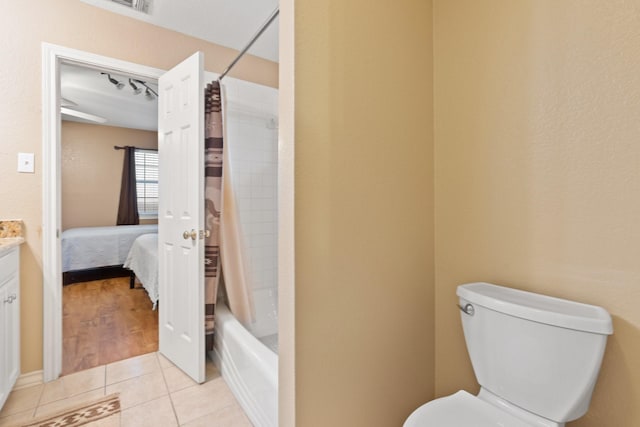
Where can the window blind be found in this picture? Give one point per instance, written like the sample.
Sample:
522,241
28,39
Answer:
147,181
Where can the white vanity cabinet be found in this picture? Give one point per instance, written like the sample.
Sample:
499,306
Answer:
9,320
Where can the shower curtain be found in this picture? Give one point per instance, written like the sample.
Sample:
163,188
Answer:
224,253
213,145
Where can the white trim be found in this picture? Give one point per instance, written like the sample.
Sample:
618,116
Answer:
51,282
286,218
52,56
29,379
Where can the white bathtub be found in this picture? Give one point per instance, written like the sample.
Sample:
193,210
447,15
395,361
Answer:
248,366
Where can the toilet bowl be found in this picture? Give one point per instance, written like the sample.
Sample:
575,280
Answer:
536,358
462,410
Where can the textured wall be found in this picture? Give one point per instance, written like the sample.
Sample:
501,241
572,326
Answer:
363,211
23,27
92,171
537,171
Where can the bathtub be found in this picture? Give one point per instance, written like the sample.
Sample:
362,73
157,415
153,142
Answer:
247,357
248,366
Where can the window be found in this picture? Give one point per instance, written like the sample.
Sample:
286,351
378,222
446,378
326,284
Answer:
147,182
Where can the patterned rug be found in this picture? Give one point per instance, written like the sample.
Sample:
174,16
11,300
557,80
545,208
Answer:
81,415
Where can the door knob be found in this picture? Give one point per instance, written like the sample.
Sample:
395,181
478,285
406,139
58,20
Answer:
192,234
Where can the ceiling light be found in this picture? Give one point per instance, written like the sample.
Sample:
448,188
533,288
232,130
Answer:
115,82
135,88
137,85
149,95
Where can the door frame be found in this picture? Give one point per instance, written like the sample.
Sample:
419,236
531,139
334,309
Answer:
52,57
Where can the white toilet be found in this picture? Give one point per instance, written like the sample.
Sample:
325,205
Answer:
536,358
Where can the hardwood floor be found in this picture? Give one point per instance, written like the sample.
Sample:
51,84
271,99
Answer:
104,321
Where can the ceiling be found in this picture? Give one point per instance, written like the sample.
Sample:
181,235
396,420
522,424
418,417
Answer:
229,23
87,91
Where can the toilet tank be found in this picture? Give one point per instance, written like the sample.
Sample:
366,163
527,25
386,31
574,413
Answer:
537,352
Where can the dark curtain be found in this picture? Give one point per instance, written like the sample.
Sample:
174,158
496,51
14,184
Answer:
128,208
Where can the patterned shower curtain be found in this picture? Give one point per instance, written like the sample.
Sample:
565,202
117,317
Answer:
213,199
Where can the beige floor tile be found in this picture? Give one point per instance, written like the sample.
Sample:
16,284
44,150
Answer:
61,404
140,389
133,367
21,400
17,419
156,413
194,402
112,421
71,385
211,371
231,416
144,384
176,379
164,362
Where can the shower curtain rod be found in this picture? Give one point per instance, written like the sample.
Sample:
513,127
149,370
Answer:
262,29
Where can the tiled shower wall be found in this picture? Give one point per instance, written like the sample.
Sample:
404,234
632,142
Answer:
252,141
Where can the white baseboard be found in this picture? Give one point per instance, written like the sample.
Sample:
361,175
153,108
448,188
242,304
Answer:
29,380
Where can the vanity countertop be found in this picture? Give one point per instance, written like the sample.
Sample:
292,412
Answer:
7,243
11,234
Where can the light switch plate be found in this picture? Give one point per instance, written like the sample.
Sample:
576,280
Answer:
25,162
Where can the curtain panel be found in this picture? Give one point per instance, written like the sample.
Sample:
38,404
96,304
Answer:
128,206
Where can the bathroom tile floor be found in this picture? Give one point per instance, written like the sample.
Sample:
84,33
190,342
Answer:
153,392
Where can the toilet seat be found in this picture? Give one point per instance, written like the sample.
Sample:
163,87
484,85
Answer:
462,410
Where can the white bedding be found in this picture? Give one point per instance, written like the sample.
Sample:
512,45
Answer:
143,260
91,247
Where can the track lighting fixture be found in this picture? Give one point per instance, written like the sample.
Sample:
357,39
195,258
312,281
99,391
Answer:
115,82
135,88
136,85
149,93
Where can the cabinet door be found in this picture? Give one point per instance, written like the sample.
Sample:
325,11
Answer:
13,332
9,323
5,388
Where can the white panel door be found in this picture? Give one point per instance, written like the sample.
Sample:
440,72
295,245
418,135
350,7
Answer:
181,216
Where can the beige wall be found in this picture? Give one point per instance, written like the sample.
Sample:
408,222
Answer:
71,23
90,163
363,212
537,171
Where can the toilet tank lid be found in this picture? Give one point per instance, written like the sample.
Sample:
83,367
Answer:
538,308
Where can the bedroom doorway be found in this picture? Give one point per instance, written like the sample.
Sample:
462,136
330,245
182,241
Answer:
53,57
103,320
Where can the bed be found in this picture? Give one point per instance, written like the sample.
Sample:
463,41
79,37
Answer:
98,252
143,261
